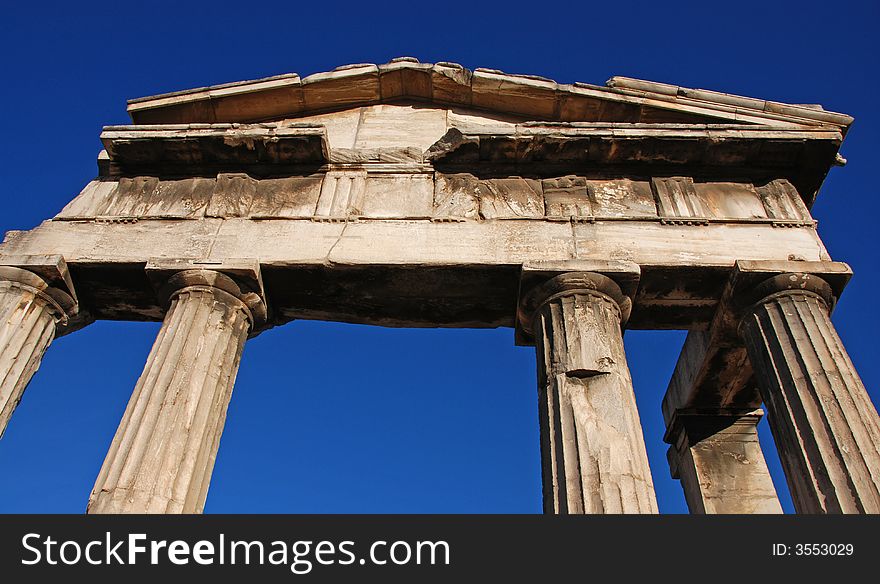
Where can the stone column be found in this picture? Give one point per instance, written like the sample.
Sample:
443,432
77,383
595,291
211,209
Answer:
30,312
594,458
162,456
717,458
825,426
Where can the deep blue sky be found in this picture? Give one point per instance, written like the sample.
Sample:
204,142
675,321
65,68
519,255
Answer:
343,418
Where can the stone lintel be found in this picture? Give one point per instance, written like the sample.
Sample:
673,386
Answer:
245,275
533,274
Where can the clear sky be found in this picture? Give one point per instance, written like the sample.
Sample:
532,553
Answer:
343,418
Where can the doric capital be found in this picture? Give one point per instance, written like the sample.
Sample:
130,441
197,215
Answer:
236,282
591,284
790,283
47,278
760,291
752,283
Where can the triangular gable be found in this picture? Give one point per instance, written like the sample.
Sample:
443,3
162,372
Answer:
527,97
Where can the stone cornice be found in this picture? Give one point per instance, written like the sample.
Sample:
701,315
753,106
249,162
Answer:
187,147
803,155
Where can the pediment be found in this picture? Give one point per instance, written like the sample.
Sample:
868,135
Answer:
449,85
443,116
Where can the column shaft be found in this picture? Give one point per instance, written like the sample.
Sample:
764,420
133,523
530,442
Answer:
592,444
28,316
720,464
825,426
163,453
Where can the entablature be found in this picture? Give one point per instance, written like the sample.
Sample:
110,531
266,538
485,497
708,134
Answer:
411,194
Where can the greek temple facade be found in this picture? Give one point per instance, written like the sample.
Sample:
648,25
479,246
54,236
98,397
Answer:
427,195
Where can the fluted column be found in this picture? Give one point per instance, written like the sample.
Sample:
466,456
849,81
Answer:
162,456
594,458
30,310
717,458
826,429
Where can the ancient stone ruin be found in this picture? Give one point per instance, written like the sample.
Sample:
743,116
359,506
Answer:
420,195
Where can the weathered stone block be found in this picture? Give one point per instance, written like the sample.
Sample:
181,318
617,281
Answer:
401,196
510,198
621,198
567,196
